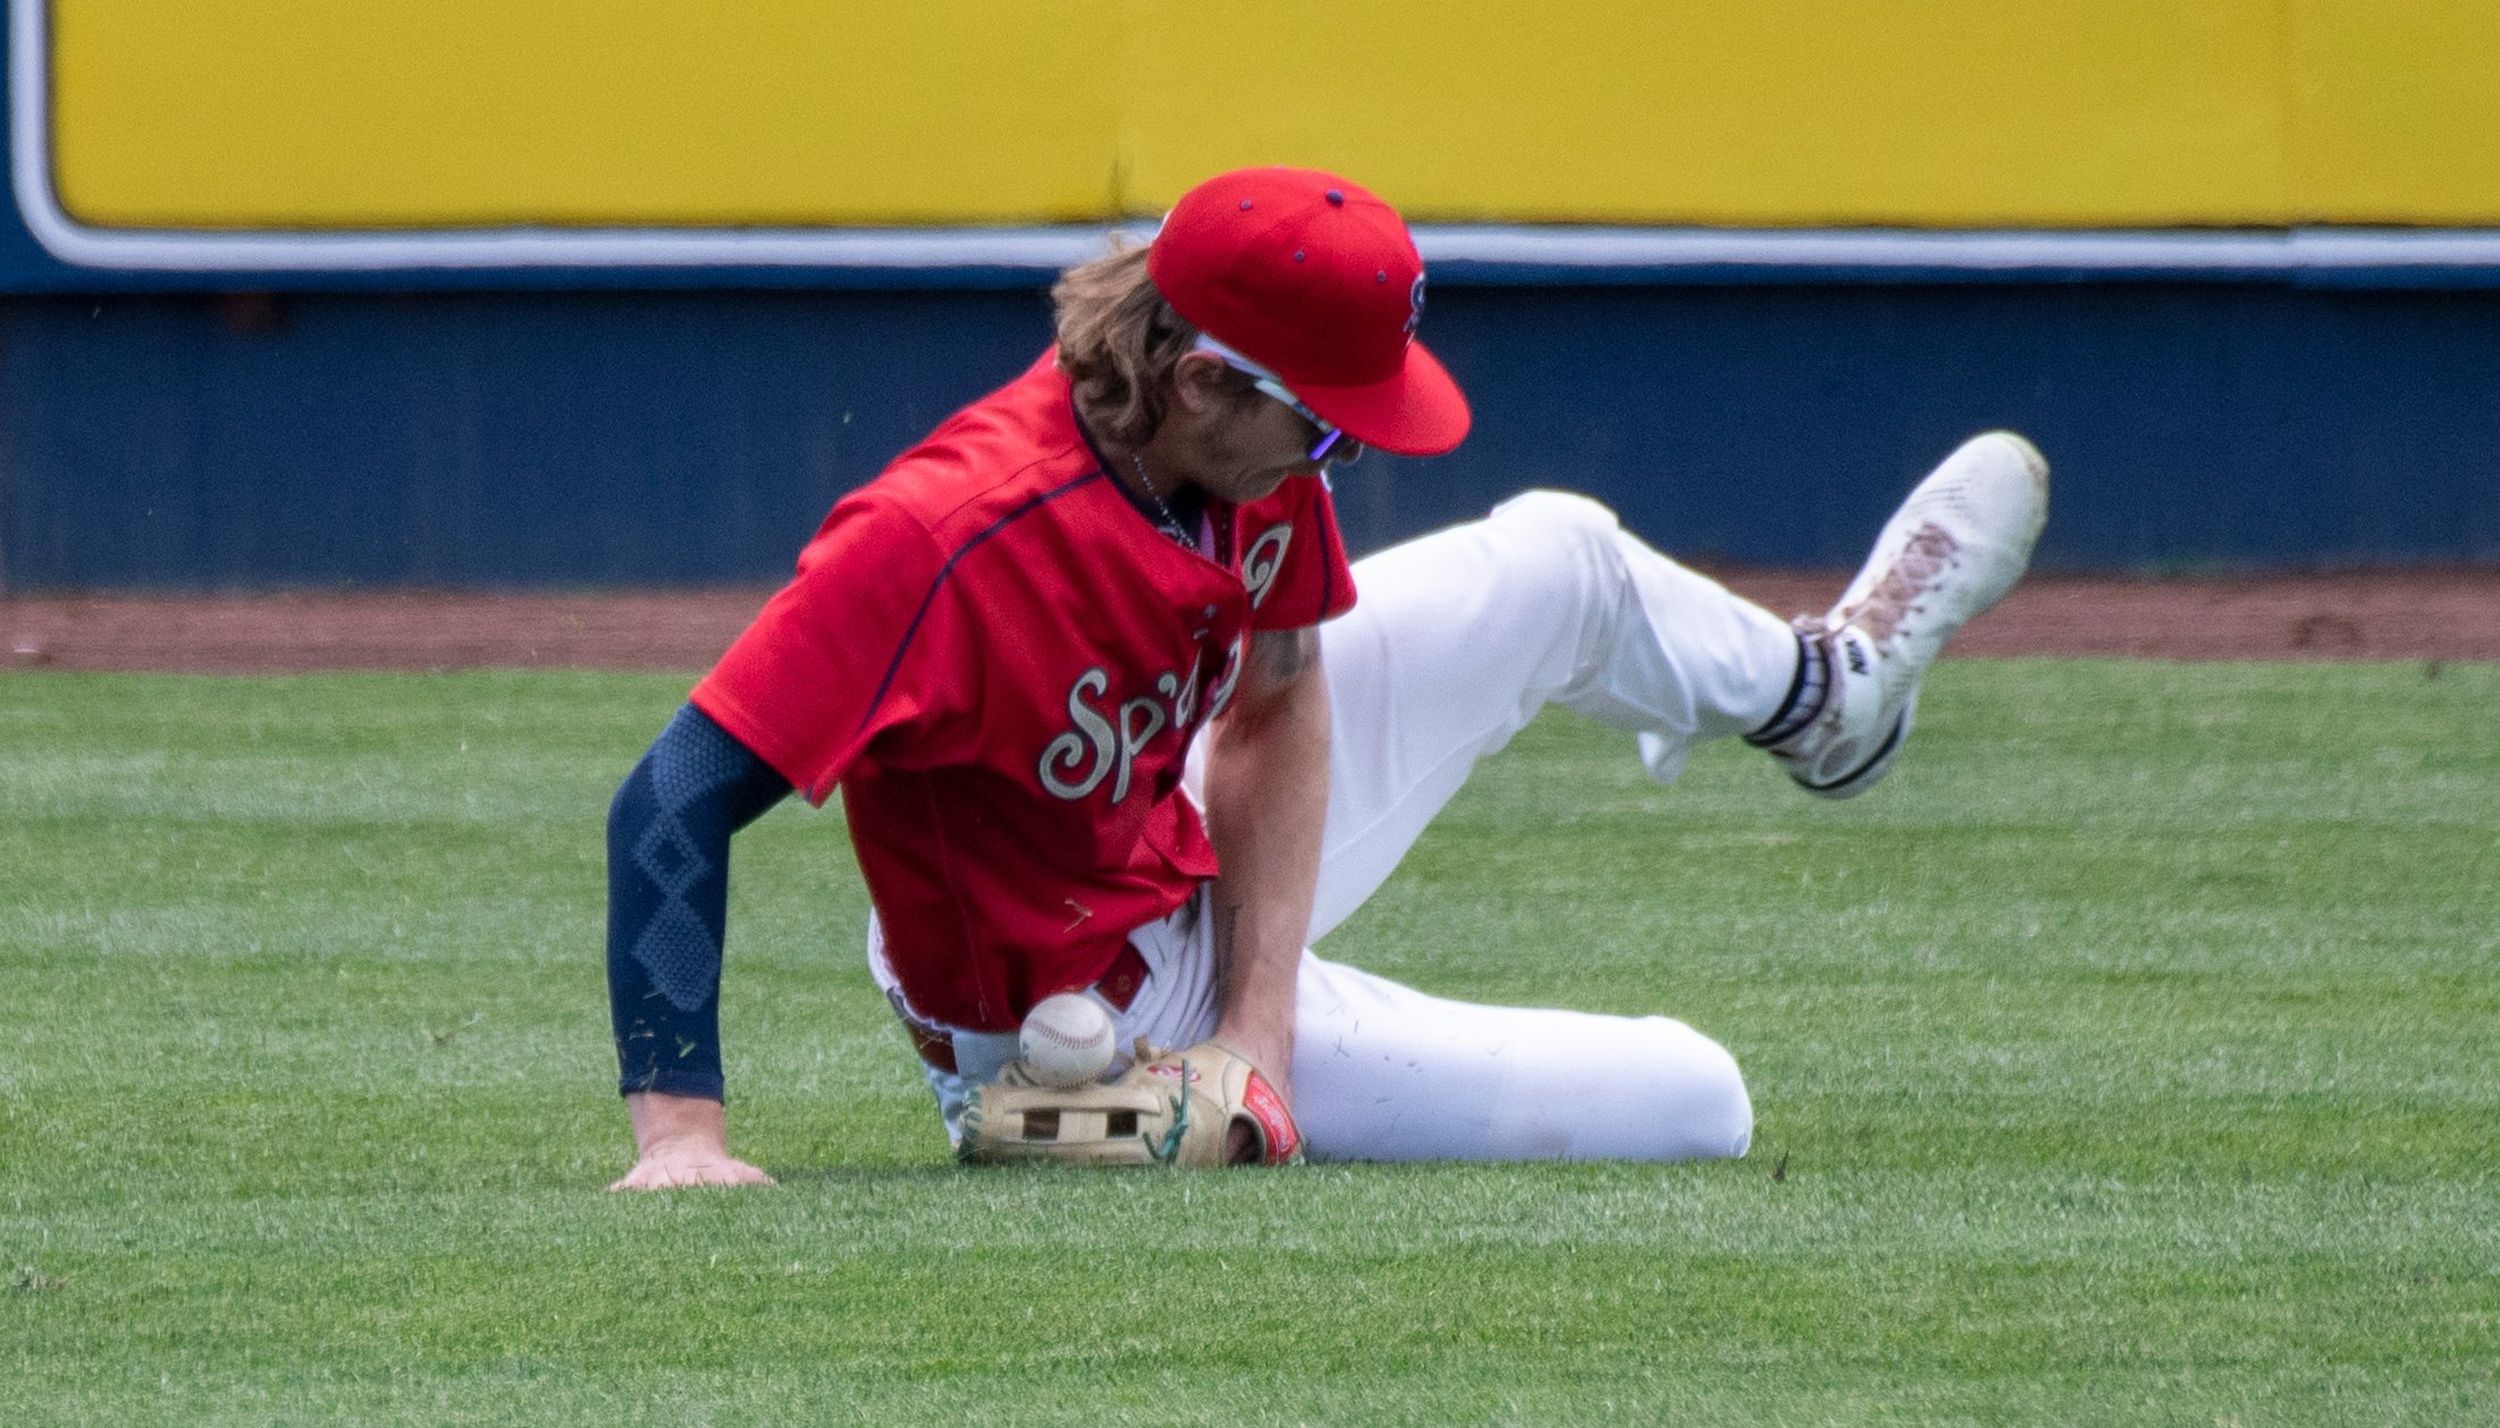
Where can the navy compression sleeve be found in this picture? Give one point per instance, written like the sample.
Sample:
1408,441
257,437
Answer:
668,899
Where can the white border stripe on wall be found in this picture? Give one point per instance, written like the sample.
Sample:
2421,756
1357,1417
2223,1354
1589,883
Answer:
1595,250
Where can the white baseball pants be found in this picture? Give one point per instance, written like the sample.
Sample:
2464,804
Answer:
1458,639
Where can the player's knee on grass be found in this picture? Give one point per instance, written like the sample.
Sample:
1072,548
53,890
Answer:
1383,1072
1661,1091
1706,1109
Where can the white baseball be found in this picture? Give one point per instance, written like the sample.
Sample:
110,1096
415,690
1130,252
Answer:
1066,1040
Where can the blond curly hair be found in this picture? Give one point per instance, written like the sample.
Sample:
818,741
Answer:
1119,342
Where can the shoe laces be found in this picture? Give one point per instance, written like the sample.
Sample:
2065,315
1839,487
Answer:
1930,549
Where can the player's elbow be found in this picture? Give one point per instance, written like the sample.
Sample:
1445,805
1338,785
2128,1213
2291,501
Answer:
630,806
617,803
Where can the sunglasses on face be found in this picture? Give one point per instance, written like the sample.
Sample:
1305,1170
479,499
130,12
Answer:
1334,447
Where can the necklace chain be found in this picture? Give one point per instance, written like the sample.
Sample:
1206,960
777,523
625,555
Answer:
1171,523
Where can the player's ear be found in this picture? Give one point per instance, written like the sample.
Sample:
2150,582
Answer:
1198,383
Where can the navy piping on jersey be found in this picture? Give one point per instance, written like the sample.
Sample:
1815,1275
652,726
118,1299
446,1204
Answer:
1135,502
895,667
1085,434
1327,567
1189,506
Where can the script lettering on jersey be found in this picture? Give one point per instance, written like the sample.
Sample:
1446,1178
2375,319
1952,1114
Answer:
1069,753
1222,693
1259,565
1262,560
1105,742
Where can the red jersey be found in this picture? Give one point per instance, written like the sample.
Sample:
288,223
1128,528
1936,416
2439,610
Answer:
1002,661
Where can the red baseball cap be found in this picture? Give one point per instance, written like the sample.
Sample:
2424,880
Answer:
1317,280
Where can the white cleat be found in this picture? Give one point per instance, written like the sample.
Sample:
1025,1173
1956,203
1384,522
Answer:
1954,548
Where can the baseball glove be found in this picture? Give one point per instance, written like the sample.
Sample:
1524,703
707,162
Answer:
1203,1107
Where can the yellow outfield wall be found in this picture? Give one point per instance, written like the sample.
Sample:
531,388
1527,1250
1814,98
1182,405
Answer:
354,115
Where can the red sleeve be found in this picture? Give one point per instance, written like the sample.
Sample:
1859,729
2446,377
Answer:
850,649
1296,531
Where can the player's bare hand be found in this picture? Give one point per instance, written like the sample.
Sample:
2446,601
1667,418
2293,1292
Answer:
675,1168
682,1141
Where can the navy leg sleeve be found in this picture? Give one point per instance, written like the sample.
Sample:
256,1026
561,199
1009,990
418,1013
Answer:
668,899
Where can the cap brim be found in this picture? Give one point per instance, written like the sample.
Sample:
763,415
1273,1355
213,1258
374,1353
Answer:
1418,412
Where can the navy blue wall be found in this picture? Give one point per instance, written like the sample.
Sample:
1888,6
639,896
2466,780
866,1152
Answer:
667,438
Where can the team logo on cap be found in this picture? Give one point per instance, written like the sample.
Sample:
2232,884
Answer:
1415,305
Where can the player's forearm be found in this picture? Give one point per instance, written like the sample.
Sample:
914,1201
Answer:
1267,798
668,894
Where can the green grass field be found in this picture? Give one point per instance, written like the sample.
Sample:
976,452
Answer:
2132,1056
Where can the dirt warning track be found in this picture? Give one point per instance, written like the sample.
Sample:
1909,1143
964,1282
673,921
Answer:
2379,615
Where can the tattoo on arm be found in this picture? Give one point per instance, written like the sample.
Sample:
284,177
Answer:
1282,655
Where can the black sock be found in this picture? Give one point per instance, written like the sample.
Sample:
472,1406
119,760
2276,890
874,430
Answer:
1806,693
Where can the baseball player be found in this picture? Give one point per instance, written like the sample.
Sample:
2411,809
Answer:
1110,712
